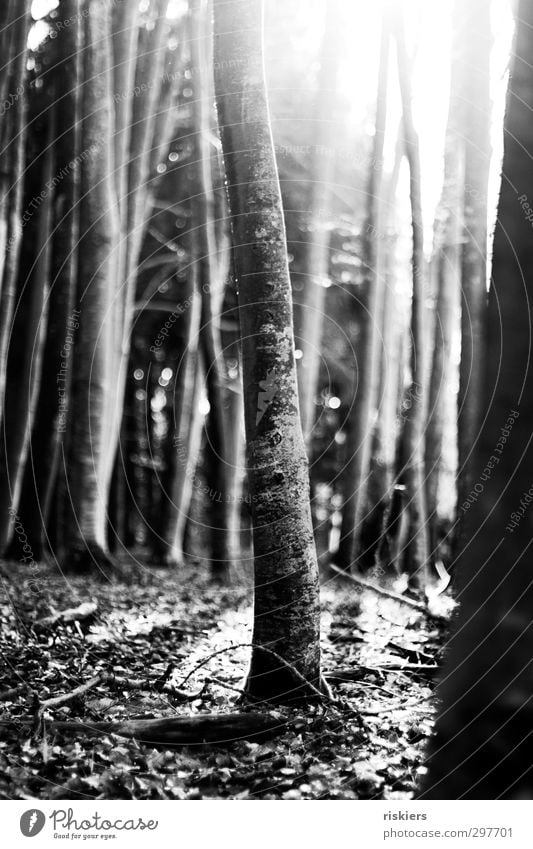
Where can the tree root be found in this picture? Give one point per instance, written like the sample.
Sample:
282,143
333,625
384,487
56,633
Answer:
323,693
89,557
174,731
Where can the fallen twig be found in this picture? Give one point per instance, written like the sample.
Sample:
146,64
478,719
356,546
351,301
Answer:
368,585
86,610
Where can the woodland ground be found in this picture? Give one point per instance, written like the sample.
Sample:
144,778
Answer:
156,627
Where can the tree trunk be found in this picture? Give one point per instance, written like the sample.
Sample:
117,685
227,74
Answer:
482,749
317,255
382,467
446,264
476,132
361,412
287,615
12,166
47,439
27,339
186,422
88,436
212,282
415,402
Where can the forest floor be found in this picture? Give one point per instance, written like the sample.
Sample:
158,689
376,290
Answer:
156,628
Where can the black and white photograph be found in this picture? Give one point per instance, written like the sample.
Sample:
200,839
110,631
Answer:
266,418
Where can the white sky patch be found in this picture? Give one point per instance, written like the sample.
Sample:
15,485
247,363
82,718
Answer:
428,34
176,9
41,8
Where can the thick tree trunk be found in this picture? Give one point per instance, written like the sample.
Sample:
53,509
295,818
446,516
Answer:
286,572
475,68
317,254
88,435
46,445
416,404
482,749
360,416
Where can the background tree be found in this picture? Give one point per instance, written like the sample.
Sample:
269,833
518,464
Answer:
481,749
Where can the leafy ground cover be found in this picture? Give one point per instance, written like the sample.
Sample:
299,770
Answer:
151,646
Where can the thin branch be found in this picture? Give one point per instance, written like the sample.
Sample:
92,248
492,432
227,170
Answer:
368,585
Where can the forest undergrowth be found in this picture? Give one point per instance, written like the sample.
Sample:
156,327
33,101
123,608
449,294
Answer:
134,642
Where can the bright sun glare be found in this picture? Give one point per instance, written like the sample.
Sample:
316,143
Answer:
428,32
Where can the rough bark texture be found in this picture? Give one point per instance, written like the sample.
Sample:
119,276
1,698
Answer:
482,749
475,72
359,423
286,571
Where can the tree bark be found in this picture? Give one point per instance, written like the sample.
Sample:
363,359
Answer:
286,571
48,434
218,472
416,402
475,68
13,162
448,237
27,340
482,749
88,435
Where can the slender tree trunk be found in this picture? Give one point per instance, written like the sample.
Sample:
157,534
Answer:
88,436
217,430
446,265
136,211
287,616
47,440
360,415
13,162
381,477
482,749
27,341
186,422
317,255
476,131
416,403
235,458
